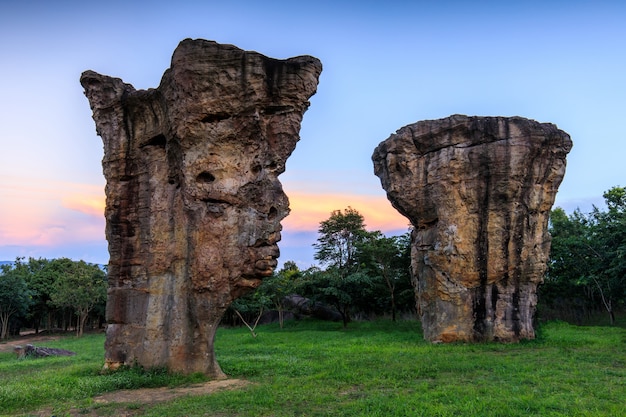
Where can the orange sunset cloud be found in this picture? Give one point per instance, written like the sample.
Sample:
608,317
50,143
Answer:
308,210
90,205
51,212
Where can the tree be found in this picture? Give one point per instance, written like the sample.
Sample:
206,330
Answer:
389,258
338,240
250,307
569,261
588,254
79,286
40,283
344,293
608,234
15,298
276,287
342,283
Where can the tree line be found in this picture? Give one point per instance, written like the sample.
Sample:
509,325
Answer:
50,294
587,266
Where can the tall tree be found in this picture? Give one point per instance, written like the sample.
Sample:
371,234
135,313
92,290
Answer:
342,284
15,298
40,284
79,286
338,240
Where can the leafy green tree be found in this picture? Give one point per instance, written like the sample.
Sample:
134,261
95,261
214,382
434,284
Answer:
77,285
270,294
342,284
570,254
40,284
608,234
389,259
276,287
15,298
339,237
250,308
345,293
588,254
570,259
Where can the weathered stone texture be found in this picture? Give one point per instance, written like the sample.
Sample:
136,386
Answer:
194,204
478,192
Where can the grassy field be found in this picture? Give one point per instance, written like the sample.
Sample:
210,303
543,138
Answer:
375,368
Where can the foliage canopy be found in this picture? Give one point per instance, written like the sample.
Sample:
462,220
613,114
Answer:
587,266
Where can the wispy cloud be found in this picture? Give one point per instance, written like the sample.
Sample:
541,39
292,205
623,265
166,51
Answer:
86,204
46,213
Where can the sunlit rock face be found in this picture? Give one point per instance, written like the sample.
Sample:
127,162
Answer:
478,192
194,204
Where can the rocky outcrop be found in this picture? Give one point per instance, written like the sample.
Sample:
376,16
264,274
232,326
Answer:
478,192
193,204
40,352
303,306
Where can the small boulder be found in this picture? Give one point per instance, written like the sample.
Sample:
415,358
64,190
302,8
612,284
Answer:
40,352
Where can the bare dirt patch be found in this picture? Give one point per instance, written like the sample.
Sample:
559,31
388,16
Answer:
156,395
131,403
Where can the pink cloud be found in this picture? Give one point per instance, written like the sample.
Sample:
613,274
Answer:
48,213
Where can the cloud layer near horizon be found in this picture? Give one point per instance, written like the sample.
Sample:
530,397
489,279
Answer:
51,219
309,209
47,213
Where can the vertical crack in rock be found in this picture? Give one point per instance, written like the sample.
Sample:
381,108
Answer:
194,204
482,249
478,192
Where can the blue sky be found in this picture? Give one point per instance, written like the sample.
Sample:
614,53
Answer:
386,64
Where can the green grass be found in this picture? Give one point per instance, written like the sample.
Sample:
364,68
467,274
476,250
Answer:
375,368
61,382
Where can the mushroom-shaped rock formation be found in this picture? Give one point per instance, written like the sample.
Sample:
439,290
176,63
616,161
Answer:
478,192
193,201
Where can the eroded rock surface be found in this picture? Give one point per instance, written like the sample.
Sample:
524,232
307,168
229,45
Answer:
478,192
194,204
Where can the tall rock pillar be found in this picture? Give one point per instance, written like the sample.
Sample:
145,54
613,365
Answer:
478,192
193,201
